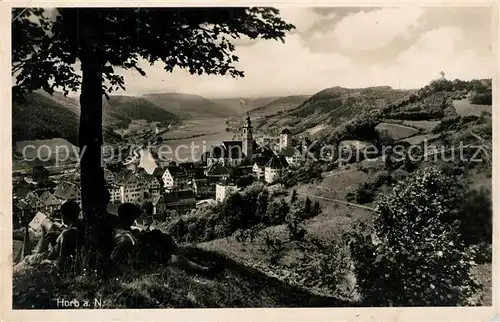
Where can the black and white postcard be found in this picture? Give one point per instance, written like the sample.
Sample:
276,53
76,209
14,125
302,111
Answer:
248,156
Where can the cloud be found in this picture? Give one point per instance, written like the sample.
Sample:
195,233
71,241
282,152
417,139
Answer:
375,29
273,68
304,18
435,50
270,67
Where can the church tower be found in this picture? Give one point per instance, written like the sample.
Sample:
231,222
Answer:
247,139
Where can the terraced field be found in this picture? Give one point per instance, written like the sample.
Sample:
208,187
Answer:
396,131
465,108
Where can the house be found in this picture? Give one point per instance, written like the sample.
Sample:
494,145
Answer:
33,202
68,191
180,199
285,139
50,201
292,156
203,188
149,182
109,176
274,168
114,193
131,189
193,170
159,204
263,151
21,188
174,177
222,190
258,167
216,172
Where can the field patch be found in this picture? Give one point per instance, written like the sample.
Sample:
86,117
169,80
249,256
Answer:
47,150
465,108
317,129
396,131
421,138
423,125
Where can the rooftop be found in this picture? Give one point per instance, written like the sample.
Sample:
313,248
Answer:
276,163
65,189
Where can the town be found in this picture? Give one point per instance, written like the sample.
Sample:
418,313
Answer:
232,157
170,187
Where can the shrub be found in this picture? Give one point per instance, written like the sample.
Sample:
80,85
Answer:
415,254
481,98
448,123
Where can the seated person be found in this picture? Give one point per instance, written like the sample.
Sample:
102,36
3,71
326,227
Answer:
133,245
65,242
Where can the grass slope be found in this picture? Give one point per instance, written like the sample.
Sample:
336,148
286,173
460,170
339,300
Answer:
190,106
332,107
122,107
250,103
45,116
154,286
281,104
39,117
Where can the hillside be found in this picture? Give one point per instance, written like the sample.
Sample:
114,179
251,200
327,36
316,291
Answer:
45,116
156,286
234,103
188,106
331,107
281,104
40,117
123,108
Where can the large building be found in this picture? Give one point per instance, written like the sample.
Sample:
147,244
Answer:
285,139
235,152
274,169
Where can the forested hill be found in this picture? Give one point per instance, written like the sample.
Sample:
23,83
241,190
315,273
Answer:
44,116
331,107
189,106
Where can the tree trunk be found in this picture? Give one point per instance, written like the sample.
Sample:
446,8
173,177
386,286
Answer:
90,143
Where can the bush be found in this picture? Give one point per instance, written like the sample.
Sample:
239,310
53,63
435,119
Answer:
448,123
415,254
482,98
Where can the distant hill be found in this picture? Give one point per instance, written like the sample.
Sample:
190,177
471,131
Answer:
281,104
41,117
250,103
189,106
331,107
45,116
121,107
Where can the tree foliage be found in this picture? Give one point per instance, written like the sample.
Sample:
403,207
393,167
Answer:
416,254
47,44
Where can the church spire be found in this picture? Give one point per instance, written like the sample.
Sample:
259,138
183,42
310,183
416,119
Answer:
249,121
247,139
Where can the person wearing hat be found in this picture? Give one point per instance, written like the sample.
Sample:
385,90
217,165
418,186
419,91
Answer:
133,246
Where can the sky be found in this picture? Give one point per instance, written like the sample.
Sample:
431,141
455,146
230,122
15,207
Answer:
402,47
